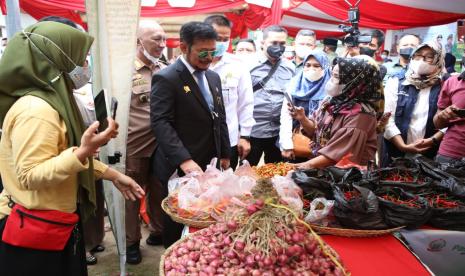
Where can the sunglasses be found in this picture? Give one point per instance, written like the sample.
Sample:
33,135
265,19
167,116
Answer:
204,54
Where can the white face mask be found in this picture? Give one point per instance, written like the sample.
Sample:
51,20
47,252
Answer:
302,51
421,68
313,75
80,75
250,59
383,56
152,59
333,89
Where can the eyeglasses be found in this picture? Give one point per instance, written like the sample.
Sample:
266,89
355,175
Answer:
204,54
427,58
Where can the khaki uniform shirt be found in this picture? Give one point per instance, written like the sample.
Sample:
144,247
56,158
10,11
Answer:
141,141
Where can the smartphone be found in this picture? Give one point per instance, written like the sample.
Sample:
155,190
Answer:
289,99
113,107
459,112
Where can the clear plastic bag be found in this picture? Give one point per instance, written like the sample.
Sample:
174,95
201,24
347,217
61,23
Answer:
318,215
288,191
203,193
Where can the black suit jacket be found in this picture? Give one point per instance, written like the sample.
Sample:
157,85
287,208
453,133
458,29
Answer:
182,122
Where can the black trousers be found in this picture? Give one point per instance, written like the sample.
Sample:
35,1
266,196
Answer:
18,261
258,146
171,230
234,157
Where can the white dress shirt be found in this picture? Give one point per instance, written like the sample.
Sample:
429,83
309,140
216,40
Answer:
285,131
417,124
237,96
192,70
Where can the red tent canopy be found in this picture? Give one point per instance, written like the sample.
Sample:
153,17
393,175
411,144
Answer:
321,16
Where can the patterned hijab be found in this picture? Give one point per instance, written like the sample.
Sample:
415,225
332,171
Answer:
421,82
305,92
362,93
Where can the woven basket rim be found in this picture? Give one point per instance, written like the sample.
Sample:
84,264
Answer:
347,232
186,221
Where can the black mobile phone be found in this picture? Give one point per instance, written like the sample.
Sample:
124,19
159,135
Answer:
113,107
459,112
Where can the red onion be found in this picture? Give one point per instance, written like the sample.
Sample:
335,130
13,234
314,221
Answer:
230,254
232,225
251,209
239,245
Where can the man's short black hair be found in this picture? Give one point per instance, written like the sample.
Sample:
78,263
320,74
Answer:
59,19
386,51
273,28
248,40
378,34
412,34
218,20
195,30
306,32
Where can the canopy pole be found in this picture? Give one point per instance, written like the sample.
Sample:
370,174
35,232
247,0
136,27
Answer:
13,18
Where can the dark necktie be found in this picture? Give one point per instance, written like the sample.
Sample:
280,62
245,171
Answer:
204,88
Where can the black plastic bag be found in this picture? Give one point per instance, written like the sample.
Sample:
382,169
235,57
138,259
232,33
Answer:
361,212
396,215
449,219
314,183
452,185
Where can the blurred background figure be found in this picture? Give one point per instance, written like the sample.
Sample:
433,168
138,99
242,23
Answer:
304,43
330,47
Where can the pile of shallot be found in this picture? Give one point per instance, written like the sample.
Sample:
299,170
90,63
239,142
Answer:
261,238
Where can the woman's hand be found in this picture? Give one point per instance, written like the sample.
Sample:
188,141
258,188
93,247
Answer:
91,141
126,185
419,146
296,112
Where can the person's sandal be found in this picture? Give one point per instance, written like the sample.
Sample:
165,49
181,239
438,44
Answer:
98,248
91,259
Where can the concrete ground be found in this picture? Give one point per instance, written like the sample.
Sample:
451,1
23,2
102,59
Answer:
108,260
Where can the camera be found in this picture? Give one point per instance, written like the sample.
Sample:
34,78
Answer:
353,38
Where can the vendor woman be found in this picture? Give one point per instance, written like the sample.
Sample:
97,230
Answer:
345,124
413,101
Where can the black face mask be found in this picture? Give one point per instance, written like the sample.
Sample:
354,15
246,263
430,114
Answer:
367,51
275,51
406,52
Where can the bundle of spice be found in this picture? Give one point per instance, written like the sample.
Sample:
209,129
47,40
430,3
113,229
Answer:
443,201
271,169
257,237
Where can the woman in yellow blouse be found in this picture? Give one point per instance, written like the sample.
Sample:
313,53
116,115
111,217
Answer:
46,153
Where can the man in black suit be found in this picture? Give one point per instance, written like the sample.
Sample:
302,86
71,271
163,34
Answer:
187,114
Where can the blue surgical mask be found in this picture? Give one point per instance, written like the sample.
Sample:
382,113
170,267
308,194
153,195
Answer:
221,48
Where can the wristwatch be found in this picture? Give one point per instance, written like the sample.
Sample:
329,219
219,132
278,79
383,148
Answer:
246,138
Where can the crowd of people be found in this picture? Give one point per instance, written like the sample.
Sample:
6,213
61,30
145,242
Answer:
246,105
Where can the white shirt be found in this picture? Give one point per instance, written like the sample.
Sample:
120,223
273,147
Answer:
285,131
417,125
238,96
192,70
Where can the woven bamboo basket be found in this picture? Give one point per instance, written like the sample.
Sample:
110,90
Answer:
169,249
353,233
186,221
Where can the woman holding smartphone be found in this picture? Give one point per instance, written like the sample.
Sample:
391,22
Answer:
345,124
